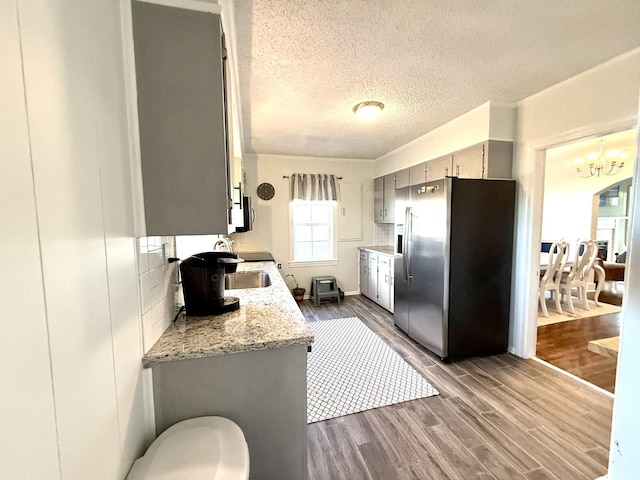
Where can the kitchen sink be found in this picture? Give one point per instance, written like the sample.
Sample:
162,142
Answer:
257,279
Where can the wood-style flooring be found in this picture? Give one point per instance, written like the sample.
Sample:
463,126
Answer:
498,417
564,344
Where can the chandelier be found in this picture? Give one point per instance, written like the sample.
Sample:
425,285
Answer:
600,162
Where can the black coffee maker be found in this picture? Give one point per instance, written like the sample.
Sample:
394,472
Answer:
203,283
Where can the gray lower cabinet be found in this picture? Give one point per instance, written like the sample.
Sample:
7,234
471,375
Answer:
364,273
180,67
372,279
263,391
385,282
376,277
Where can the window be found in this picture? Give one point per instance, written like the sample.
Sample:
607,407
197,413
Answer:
313,231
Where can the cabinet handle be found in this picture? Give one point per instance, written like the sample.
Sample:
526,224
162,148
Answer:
385,212
457,170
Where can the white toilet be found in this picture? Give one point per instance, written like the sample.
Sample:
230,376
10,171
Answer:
203,448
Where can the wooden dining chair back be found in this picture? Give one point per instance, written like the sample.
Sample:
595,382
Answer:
580,273
552,275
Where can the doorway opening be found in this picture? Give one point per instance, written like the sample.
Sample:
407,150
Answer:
583,342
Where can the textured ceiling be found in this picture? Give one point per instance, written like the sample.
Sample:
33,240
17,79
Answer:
304,64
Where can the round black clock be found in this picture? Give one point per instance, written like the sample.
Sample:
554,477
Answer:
266,191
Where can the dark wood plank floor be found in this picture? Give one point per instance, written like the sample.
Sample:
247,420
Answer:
564,345
496,417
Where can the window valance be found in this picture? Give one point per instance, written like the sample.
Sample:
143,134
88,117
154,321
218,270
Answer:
314,186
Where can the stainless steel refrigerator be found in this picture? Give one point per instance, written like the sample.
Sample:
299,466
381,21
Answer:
454,246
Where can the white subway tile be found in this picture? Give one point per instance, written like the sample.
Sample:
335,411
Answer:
145,292
147,331
157,294
156,277
156,258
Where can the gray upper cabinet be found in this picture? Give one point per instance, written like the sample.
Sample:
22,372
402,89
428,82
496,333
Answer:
417,174
498,159
490,159
389,198
182,110
384,194
402,178
438,168
378,199
469,163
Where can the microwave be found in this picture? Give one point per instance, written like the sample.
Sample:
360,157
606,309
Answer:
248,215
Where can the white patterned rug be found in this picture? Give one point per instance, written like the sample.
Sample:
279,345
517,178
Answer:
351,369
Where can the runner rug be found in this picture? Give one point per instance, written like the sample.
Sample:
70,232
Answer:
350,369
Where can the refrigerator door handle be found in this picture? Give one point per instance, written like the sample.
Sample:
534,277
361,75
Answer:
406,251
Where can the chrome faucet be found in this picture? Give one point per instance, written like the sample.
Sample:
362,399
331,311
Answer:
222,242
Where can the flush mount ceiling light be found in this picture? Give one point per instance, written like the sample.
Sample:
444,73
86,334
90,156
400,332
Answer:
600,162
368,110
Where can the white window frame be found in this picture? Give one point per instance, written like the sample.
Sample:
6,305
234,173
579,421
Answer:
334,238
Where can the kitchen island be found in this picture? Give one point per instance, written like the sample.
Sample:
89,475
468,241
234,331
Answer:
249,365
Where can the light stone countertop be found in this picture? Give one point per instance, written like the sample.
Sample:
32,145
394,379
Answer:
268,317
385,250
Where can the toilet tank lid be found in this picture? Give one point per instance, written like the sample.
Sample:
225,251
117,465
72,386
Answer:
203,448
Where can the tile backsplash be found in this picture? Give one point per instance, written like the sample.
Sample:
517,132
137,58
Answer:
383,234
157,283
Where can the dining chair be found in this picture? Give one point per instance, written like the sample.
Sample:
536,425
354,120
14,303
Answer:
579,274
551,276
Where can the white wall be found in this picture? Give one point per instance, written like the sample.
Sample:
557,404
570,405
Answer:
490,121
271,228
597,102
28,413
73,401
625,442
600,101
568,199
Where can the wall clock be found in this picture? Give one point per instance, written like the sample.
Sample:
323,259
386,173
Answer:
266,191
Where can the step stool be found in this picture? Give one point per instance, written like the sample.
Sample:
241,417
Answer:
324,287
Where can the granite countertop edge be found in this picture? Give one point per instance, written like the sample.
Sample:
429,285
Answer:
268,318
383,249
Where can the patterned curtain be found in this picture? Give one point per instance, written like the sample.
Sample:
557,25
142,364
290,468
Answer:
314,186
